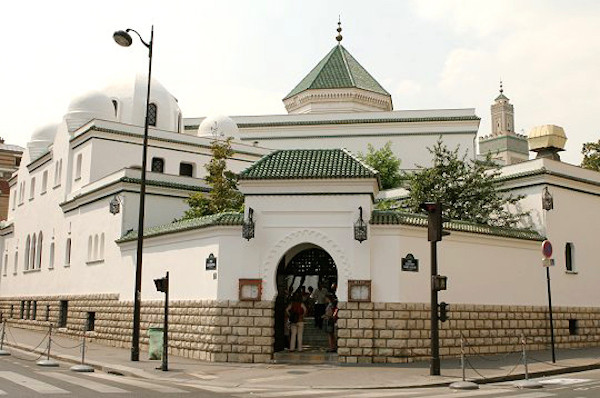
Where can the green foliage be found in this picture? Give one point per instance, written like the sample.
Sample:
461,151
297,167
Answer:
386,163
223,195
467,189
591,155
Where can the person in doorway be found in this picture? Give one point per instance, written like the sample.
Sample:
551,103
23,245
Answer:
330,318
309,303
295,312
320,300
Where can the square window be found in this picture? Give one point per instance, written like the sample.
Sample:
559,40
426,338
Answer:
186,169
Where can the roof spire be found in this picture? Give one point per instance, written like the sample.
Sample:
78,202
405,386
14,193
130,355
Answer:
339,30
501,89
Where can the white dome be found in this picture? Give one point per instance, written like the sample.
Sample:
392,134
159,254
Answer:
218,127
93,105
130,97
41,139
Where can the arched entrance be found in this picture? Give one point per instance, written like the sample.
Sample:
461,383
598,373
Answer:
304,266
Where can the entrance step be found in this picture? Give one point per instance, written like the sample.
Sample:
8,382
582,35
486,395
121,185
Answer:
308,356
314,336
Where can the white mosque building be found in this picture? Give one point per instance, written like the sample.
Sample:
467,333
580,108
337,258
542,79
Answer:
68,245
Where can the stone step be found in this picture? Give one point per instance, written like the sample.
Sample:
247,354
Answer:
307,356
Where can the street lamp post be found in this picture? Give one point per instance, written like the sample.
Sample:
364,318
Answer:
123,38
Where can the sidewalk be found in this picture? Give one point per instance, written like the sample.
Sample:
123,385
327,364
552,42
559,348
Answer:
488,369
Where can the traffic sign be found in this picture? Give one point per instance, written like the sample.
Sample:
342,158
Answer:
547,249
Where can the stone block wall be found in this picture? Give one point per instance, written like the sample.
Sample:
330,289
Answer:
222,331
400,332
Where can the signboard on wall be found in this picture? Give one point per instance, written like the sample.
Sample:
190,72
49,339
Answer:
211,262
410,263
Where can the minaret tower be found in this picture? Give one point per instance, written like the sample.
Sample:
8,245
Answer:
503,115
506,146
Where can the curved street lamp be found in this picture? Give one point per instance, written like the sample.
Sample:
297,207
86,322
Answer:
123,38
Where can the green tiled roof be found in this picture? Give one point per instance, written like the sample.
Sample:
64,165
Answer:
393,217
338,69
229,218
308,164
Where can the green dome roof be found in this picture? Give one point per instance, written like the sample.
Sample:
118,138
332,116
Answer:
339,69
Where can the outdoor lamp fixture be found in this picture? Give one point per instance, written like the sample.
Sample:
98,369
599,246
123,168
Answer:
360,227
547,200
123,38
115,205
248,227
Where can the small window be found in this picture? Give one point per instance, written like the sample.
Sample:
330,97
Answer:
158,165
186,169
12,310
44,182
62,314
28,310
39,251
14,199
51,259
34,310
17,161
569,257
47,313
32,252
22,312
5,265
68,253
16,265
91,321
96,244
573,329
152,114
101,251
116,106
90,244
27,255
32,189
78,167
179,122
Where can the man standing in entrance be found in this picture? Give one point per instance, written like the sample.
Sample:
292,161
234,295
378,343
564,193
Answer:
320,298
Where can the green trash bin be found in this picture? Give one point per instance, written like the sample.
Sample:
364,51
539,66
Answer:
155,343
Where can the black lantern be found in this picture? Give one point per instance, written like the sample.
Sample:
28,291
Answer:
547,200
115,205
248,227
360,227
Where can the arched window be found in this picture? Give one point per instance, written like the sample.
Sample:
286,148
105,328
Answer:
68,253
44,182
32,189
78,167
152,114
569,254
39,250
26,259
32,253
5,264
16,266
179,122
101,251
57,172
96,243
51,259
90,244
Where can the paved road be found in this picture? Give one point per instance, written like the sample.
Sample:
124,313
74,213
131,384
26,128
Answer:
20,377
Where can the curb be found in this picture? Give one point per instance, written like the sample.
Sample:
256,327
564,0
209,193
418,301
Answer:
142,374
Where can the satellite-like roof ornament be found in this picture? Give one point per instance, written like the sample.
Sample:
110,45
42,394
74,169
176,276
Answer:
339,30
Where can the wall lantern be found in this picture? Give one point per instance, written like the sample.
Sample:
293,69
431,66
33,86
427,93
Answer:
115,205
248,227
547,200
360,227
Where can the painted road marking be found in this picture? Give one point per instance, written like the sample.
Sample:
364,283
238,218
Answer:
89,384
32,384
137,383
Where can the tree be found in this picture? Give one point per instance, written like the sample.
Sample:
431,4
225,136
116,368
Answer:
386,163
223,195
591,155
467,189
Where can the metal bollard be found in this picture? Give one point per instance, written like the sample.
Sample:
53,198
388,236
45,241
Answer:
48,362
526,383
82,367
3,352
464,384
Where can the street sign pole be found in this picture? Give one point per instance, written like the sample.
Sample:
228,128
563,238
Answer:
434,369
550,312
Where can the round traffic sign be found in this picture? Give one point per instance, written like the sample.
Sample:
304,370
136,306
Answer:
547,249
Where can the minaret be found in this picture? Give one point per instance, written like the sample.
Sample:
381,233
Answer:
506,146
503,115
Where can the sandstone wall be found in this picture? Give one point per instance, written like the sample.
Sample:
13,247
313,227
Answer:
223,331
399,332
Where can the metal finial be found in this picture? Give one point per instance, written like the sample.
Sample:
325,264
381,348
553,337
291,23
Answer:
339,30
501,89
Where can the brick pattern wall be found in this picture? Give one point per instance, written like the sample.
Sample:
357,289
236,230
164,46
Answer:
399,332
223,331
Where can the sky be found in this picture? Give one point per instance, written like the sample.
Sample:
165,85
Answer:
243,57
